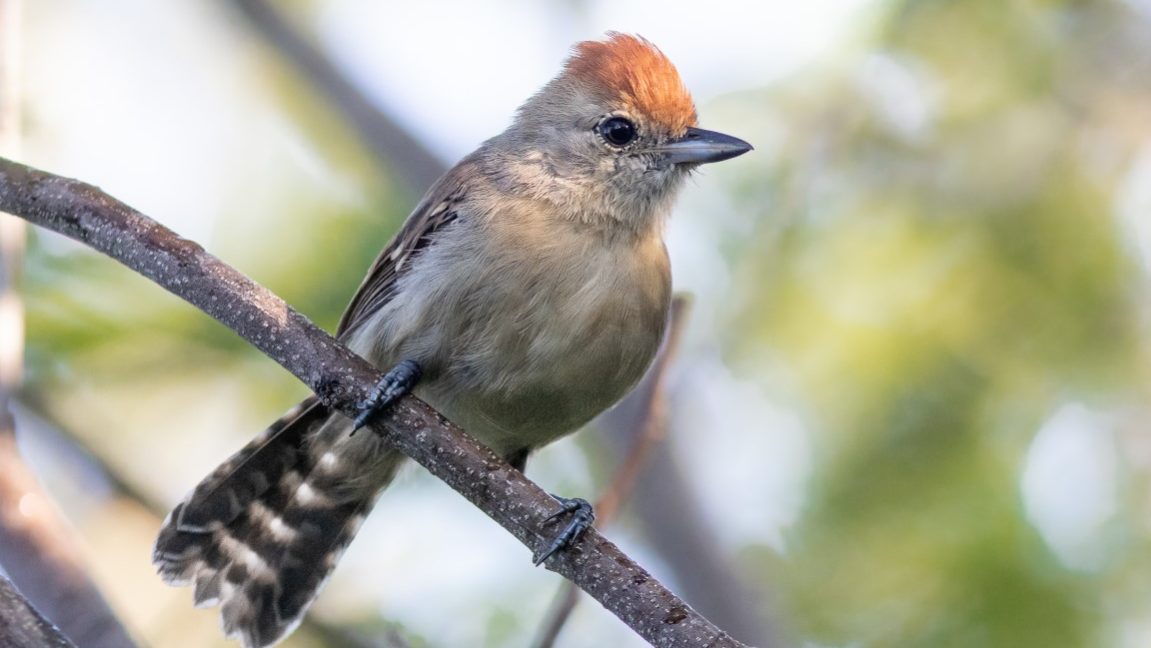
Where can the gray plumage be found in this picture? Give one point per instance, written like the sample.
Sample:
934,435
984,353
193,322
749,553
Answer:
531,285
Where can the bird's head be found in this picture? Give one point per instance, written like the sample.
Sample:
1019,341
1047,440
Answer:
612,137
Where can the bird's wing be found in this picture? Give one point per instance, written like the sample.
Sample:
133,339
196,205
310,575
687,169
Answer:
438,208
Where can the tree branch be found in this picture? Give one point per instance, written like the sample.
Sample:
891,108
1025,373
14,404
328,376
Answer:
37,548
387,141
126,493
38,552
342,379
21,626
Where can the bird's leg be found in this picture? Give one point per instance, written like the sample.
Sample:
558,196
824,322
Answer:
399,380
582,517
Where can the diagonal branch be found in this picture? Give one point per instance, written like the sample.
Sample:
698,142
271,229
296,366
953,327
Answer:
21,626
39,556
387,141
342,379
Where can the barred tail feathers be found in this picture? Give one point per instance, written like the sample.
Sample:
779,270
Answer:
262,533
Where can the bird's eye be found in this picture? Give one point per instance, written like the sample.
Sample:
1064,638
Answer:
617,131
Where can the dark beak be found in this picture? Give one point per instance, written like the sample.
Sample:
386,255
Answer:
698,146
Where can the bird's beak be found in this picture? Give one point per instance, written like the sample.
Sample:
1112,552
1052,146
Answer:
698,146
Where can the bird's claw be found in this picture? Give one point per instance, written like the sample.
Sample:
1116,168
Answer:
399,381
582,518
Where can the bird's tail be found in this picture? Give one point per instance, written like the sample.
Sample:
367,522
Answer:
261,534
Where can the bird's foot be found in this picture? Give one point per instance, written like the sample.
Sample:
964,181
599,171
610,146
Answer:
582,517
399,381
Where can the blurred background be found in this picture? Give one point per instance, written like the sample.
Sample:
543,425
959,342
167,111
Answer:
912,403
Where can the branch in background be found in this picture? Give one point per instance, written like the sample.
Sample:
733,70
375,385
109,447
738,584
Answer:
22,625
708,577
648,399
36,546
28,408
342,380
390,143
678,529
651,419
41,558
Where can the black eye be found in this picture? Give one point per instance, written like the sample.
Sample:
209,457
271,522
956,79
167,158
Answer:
617,131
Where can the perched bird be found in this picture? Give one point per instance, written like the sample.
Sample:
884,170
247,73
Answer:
526,293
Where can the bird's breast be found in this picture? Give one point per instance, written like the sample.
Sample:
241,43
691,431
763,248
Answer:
528,332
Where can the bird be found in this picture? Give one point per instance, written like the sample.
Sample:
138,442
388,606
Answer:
526,293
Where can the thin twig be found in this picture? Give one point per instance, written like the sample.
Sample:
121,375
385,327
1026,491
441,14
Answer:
343,380
668,512
649,400
564,603
672,519
387,141
652,418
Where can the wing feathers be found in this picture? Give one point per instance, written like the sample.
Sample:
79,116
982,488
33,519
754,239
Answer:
436,211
